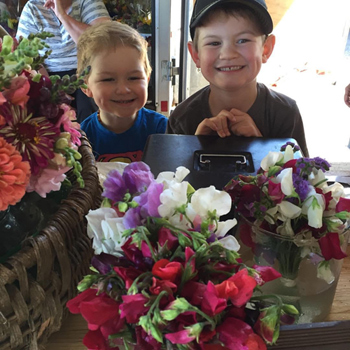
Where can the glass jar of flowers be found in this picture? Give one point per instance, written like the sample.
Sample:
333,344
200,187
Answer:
292,219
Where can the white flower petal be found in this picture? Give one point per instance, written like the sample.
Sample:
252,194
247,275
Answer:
289,210
230,243
270,160
208,199
286,179
224,227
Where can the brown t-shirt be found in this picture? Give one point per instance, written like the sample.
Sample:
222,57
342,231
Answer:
276,115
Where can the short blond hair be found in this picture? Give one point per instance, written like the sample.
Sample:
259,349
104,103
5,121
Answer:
109,36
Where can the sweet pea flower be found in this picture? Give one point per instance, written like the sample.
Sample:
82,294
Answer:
169,177
285,178
288,210
105,228
225,226
230,243
209,199
314,207
172,198
270,160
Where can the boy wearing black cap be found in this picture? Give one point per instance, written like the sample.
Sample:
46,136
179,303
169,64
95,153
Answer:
231,40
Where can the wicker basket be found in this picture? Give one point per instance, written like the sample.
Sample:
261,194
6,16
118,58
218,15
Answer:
37,281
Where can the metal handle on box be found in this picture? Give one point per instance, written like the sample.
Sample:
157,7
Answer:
206,161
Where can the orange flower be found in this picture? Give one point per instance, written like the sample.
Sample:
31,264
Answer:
14,175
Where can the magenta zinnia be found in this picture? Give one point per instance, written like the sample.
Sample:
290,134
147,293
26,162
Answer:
34,138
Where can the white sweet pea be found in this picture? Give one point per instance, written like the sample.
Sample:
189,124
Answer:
288,154
270,160
325,273
168,177
105,228
317,177
230,243
314,207
208,199
172,198
286,229
337,191
286,179
224,227
288,210
271,215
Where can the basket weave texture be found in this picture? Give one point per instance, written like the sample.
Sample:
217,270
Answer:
37,281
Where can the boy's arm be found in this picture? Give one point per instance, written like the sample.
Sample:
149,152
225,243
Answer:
219,124
243,125
227,123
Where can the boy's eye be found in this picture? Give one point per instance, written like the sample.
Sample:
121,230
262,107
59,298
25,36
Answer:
107,79
213,43
135,78
243,41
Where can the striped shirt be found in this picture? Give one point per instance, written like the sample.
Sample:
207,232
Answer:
35,18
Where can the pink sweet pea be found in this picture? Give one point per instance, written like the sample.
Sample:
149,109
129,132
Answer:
133,307
266,274
275,192
128,274
245,285
343,205
238,335
193,292
165,236
160,285
167,270
330,246
212,304
180,337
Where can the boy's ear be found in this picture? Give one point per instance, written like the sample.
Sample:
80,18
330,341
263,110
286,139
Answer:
194,53
268,47
87,92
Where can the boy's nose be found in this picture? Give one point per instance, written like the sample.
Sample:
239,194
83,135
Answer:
228,51
122,88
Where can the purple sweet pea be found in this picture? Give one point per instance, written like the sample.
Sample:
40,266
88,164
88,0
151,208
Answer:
137,177
149,201
114,186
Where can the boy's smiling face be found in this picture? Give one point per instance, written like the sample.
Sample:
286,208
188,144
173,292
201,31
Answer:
118,82
230,52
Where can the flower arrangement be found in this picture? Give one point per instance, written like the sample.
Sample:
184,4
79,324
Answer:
290,197
167,273
137,15
38,135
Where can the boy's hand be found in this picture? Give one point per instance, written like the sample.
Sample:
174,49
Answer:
216,125
347,96
243,124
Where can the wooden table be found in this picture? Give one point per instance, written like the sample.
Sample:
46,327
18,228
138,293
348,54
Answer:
74,327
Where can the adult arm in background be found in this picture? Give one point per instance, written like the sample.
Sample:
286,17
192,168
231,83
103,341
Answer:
72,26
347,96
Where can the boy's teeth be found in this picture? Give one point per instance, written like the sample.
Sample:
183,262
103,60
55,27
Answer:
225,69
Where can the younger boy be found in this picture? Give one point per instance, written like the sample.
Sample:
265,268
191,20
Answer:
117,81
230,42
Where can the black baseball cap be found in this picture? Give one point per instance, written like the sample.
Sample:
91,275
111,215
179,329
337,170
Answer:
202,7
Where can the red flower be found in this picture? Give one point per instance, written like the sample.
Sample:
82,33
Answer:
212,304
238,335
167,270
160,285
343,205
165,236
290,164
128,274
180,337
226,289
275,192
245,285
267,274
133,307
193,292
330,246
74,304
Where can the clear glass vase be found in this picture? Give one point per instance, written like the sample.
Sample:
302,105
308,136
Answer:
300,284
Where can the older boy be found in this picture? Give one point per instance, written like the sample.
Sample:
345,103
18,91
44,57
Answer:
231,40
